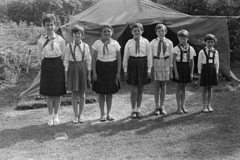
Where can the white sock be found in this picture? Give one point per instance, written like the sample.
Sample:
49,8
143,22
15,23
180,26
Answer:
56,116
137,109
134,110
50,117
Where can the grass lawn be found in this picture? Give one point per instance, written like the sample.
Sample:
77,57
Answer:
24,134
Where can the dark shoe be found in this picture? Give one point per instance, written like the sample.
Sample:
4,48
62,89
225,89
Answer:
162,111
139,115
185,111
156,112
133,115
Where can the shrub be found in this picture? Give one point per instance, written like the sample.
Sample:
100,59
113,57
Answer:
15,43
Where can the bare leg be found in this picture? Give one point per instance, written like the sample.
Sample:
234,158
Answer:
156,93
109,104
163,93
81,104
209,99
101,99
56,104
204,95
209,90
74,104
183,88
134,94
50,104
178,90
139,96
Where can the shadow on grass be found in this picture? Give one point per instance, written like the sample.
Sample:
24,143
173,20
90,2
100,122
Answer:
10,93
221,139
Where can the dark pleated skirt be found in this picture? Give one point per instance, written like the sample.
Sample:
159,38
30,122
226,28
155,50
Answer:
77,76
183,69
106,78
52,80
137,71
208,75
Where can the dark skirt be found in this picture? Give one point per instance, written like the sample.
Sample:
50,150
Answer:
77,76
184,74
208,75
137,71
52,80
106,78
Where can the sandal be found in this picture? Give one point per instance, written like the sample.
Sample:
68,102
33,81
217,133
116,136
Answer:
81,120
110,118
75,120
162,111
156,112
205,110
139,115
210,109
179,111
103,119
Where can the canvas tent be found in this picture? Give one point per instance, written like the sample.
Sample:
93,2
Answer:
121,13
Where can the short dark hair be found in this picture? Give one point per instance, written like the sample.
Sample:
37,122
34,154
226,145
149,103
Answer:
49,18
106,26
137,25
77,28
159,26
210,37
183,33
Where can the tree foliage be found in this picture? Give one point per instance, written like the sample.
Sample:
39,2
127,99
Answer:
33,10
228,8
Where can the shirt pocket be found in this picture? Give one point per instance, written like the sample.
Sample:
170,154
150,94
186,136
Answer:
155,49
167,49
132,49
143,49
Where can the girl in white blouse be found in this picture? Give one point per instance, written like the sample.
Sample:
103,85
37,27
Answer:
208,66
137,65
183,65
78,66
52,82
106,66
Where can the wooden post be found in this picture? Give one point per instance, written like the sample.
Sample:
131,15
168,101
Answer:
29,60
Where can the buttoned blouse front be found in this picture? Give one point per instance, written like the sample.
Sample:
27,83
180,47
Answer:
169,48
130,50
54,48
177,51
110,53
202,59
78,55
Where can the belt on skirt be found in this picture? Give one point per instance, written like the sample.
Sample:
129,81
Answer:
156,57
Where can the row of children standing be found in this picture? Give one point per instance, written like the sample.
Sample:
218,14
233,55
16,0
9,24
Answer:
69,68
